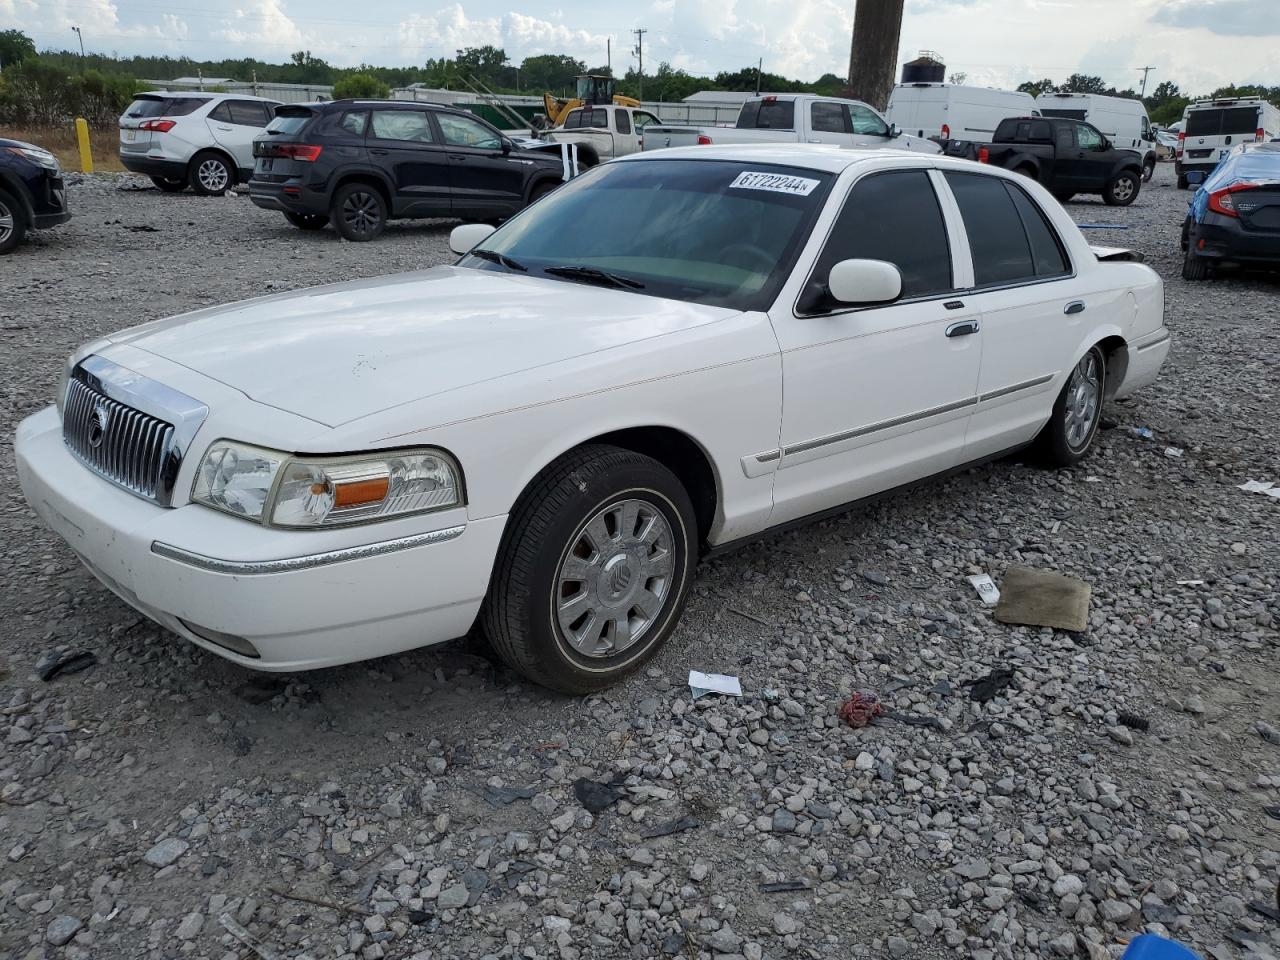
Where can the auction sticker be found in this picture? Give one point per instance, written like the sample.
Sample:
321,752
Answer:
774,183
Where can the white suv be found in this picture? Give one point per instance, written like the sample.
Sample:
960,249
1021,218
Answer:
201,140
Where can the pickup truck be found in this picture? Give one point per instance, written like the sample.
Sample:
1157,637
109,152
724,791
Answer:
1067,156
795,118
602,132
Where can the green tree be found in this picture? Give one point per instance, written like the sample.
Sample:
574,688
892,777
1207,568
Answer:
488,64
1037,87
309,69
1083,83
360,86
549,71
15,46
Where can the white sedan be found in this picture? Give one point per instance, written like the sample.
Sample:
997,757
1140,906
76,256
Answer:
668,355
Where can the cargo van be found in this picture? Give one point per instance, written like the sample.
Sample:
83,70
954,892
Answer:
1121,120
1210,128
946,111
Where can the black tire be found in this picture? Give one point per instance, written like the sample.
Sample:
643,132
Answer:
1182,181
540,190
1027,171
1194,268
1148,171
1064,196
1185,242
1055,442
519,615
307,221
169,185
358,212
13,223
1122,189
211,174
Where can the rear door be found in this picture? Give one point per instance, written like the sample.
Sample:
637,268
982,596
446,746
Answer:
1211,132
235,124
829,122
484,177
405,145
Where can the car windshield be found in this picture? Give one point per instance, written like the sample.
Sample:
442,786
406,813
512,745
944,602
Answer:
705,231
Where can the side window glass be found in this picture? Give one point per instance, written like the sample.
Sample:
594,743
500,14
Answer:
826,117
622,120
408,125
866,122
1040,131
246,113
222,112
574,120
1089,138
1065,142
997,240
644,119
465,132
354,123
1046,249
894,217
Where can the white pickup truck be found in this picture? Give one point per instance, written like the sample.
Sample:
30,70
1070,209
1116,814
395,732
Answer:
795,118
602,132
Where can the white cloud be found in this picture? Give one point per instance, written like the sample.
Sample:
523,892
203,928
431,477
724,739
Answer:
439,34
262,22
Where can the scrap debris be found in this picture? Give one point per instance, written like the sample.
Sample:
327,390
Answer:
784,886
986,689
703,683
860,709
1269,487
986,588
597,797
666,829
1040,598
1133,721
54,664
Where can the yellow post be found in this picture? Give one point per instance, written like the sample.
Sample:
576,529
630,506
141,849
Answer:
86,154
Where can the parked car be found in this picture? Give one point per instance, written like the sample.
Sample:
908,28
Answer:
1211,128
602,132
1067,156
32,195
199,140
668,355
948,111
1122,120
1234,215
359,163
794,118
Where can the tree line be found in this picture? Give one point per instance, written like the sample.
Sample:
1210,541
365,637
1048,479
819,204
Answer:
1164,104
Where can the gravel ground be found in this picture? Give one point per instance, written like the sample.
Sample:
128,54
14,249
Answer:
165,803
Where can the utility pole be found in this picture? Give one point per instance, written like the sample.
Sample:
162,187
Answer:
608,54
759,70
873,51
81,36
1145,71
639,51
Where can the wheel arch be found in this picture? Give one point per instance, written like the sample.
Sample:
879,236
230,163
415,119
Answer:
221,152
363,176
1115,350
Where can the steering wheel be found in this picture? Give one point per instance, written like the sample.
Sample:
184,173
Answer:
763,257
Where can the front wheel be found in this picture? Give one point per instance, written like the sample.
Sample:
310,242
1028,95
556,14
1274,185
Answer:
307,221
13,223
1122,190
593,571
1067,436
542,189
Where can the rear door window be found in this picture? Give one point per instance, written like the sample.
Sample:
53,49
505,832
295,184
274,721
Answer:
828,117
410,126
1221,121
354,122
622,121
997,240
1047,254
246,113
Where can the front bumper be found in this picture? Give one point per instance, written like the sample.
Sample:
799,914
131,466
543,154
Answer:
1146,356
49,203
297,607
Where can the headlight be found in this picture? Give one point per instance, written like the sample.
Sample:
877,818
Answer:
281,490
37,155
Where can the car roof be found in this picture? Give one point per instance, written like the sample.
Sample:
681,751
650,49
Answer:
204,94
828,159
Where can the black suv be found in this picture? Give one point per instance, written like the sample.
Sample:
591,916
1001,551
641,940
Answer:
359,163
32,196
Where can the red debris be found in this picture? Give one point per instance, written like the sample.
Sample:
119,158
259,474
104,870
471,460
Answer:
860,709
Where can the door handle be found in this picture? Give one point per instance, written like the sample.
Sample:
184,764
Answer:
962,328
227,129
380,153
459,156
1074,307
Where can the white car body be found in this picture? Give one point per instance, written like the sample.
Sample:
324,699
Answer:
198,124
1121,120
955,112
794,414
610,131
811,119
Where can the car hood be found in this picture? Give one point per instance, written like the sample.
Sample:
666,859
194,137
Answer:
337,353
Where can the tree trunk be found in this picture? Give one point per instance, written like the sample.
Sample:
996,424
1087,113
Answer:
873,54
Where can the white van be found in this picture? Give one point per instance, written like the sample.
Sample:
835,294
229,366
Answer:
950,112
1210,128
1121,120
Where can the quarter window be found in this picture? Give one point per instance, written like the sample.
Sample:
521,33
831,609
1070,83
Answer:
827,117
408,125
466,132
1009,237
1046,250
888,216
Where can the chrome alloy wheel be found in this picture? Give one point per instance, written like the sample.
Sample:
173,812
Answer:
360,212
614,578
213,175
1084,396
7,221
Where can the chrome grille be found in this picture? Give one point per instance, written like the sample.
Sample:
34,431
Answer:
114,440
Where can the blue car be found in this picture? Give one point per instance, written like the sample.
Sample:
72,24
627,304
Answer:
1234,215
32,196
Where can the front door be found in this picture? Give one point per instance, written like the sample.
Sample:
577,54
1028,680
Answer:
485,177
404,144
1094,159
879,396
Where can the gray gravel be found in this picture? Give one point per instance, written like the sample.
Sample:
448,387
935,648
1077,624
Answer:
168,804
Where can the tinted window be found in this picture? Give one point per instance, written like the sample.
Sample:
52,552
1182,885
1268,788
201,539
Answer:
997,240
1065,140
1219,121
246,113
1041,130
410,125
644,119
622,121
1069,114
289,123
827,117
354,122
165,106
867,123
888,216
1088,138
1047,255
466,132
587,117
768,115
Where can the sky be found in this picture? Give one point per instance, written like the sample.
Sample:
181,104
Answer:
1199,44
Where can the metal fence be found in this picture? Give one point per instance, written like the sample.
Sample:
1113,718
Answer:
283,92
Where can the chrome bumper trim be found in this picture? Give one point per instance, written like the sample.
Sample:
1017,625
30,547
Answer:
1025,385
1154,343
251,568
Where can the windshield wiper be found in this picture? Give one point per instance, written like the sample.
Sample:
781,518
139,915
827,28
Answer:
495,257
592,275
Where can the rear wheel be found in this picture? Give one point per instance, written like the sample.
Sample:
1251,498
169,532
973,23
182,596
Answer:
1026,171
1123,189
542,189
1067,436
593,571
358,212
1182,181
1064,196
1194,268
211,174
13,223
170,185
307,221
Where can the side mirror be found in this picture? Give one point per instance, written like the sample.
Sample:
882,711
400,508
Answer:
507,145
864,282
467,236
894,131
